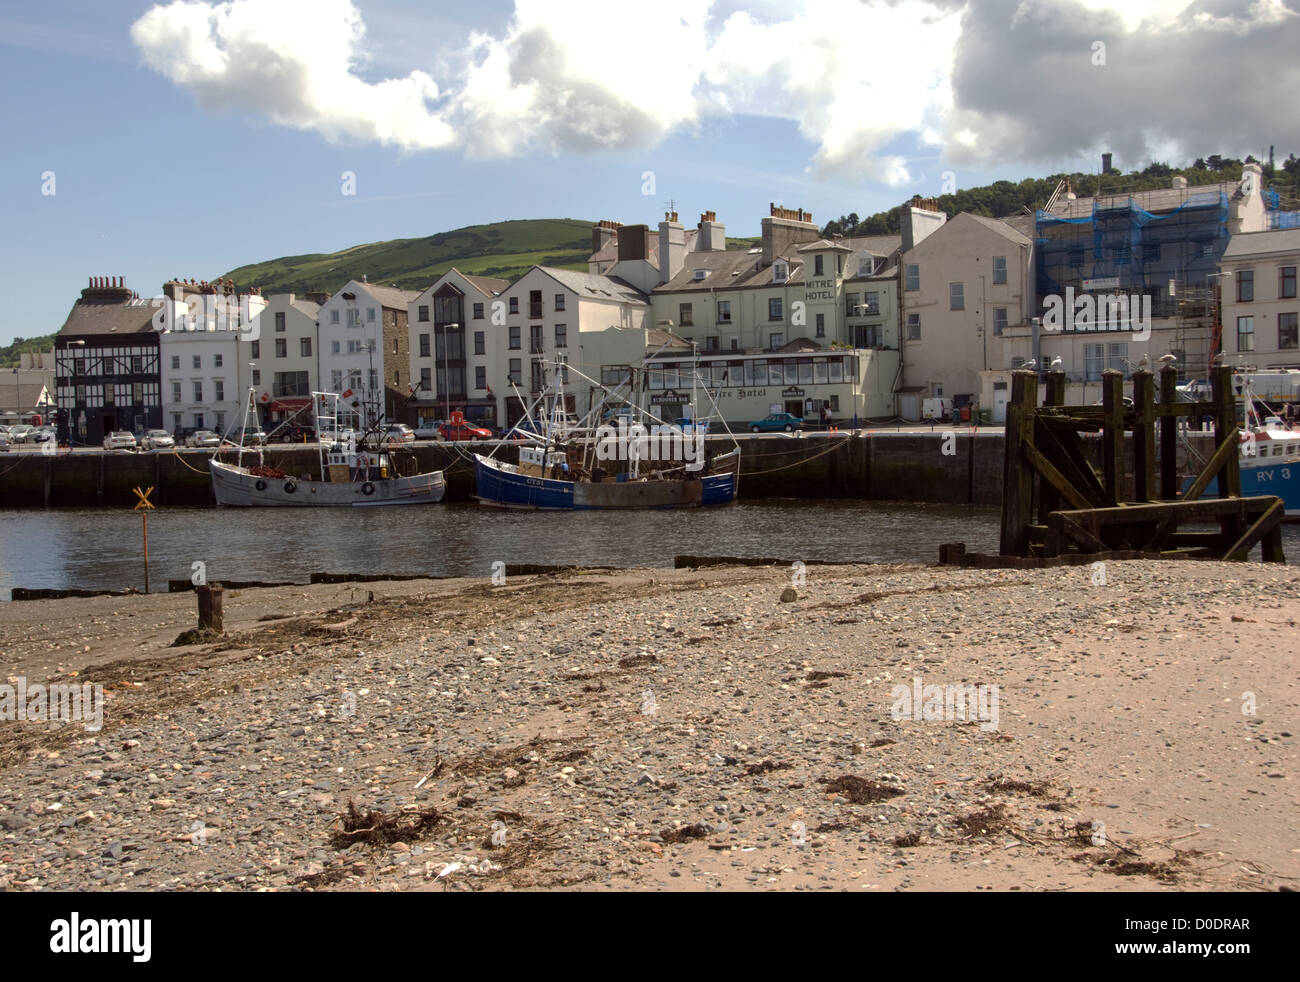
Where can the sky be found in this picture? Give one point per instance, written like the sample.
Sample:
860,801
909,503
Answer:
184,139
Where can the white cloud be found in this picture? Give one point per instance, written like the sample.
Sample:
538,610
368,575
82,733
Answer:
979,80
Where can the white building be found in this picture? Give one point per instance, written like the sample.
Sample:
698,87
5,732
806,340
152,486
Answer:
365,352
455,350
1261,310
281,365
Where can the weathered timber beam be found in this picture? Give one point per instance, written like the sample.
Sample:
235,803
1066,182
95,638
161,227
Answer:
1223,453
1272,516
1054,477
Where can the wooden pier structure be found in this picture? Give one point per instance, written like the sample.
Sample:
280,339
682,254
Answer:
1058,505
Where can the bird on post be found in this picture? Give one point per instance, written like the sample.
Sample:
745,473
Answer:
1030,365
1168,359
1056,362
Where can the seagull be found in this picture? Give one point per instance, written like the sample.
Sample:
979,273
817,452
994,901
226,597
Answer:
1030,365
1056,362
1218,359
1169,359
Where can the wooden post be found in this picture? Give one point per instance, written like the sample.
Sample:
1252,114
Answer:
1112,435
1144,437
210,607
1017,478
1225,421
144,515
1168,435
1053,395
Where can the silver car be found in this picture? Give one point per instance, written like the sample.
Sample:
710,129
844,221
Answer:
119,440
18,434
203,438
157,440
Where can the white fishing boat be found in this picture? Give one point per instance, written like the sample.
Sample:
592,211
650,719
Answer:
351,475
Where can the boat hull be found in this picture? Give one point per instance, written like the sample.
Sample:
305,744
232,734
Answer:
500,488
236,488
1259,479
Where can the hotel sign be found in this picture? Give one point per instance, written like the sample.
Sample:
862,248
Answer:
792,393
1102,283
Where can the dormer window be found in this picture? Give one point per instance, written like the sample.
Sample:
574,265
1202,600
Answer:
866,265
780,271
700,274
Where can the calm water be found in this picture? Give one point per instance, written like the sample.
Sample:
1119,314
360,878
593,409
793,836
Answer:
100,548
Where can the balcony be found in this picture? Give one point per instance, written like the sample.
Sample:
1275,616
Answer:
863,310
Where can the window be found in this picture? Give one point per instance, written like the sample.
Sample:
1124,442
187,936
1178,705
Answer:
1286,282
775,340
255,349
735,343
279,323
821,325
956,296
176,392
334,347
999,270
216,361
395,346
480,376
1245,285
561,335
424,346
724,311
514,305
562,365
774,309
336,380
478,311
304,347
198,391
1094,356
999,319
559,301
426,379
281,348
851,305
424,312
686,317
866,265
334,316
1245,334
817,266
198,362
516,370
535,345
370,314
780,271
1286,332
354,346
291,384
1150,253
913,278
80,369
1117,357
257,376
220,390
480,343
711,343
354,317
176,421
198,421
914,327
137,364
397,377
354,379
514,338
534,303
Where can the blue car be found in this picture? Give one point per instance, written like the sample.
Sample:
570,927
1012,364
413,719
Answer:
776,423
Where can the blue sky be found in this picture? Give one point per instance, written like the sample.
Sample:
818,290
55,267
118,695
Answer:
156,177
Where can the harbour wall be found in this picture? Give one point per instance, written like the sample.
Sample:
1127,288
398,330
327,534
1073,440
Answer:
905,465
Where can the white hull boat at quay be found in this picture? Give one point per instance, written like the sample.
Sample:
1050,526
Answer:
240,487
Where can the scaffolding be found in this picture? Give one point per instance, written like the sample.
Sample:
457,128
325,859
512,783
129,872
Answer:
1132,249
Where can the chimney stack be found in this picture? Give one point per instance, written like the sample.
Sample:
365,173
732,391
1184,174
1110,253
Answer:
634,243
713,234
602,232
672,247
786,227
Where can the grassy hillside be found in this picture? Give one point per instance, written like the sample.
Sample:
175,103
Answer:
9,353
505,250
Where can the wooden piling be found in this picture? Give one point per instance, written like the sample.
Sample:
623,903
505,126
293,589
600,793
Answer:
1168,434
210,607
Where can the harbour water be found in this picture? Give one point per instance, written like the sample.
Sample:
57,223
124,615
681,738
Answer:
100,548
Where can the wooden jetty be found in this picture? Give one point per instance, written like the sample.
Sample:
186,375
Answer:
1057,503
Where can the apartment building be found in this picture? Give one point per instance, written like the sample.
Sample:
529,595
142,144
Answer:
1261,312
106,364
456,339
364,346
280,362
793,324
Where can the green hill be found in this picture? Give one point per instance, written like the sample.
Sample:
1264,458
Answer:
504,249
9,353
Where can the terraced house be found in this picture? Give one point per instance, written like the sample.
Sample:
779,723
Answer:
365,352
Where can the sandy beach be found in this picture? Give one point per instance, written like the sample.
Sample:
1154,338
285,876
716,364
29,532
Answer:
670,730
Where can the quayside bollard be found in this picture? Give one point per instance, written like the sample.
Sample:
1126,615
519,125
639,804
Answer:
210,607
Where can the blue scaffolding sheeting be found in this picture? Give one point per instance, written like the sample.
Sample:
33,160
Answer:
1140,250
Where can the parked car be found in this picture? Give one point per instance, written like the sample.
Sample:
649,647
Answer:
254,438
775,423
297,434
42,434
463,431
4,442
19,433
398,433
203,438
427,431
119,440
157,440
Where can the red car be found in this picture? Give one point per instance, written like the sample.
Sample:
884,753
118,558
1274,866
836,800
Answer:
463,431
